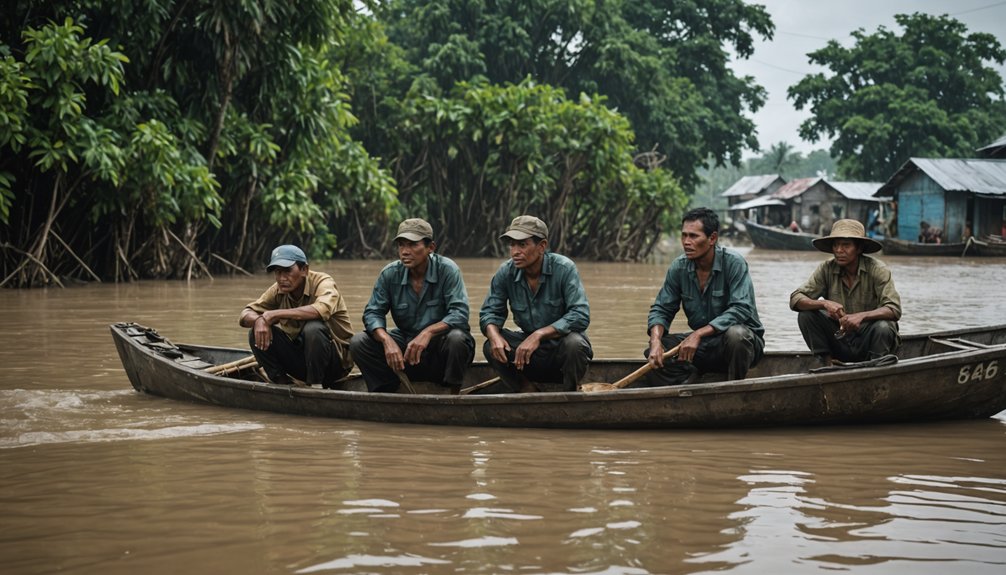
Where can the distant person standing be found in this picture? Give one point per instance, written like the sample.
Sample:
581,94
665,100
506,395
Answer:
848,308
549,305
300,326
427,299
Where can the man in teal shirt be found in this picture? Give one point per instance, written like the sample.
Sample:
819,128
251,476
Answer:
714,287
549,306
426,295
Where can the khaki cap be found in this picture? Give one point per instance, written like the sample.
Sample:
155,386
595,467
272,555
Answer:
414,229
523,227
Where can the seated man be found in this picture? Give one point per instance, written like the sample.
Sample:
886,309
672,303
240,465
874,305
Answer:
848,309
424,292
713,285
299,326
549,306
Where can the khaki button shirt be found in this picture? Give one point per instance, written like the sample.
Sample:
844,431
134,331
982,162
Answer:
321,293
874,287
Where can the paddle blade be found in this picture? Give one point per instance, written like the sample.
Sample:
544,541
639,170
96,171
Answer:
596,387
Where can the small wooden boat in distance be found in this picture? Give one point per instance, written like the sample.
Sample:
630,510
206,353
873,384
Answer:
973,247
772,238
958,374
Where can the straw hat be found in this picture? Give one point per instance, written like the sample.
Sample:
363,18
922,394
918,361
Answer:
851,230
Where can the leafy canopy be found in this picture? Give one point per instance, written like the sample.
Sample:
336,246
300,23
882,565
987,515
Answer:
930,91
662,64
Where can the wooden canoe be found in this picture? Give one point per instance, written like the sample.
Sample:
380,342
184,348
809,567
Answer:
957,374
771,238
973,247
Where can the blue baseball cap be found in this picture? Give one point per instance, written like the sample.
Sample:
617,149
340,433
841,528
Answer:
285,256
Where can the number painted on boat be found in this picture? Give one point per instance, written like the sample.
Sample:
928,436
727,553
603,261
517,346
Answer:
978,372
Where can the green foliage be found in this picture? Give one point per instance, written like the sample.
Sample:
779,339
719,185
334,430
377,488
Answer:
215,128
661,64
929,91
474,160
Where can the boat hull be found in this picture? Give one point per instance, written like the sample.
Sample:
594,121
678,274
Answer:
937,381
769,238
895,247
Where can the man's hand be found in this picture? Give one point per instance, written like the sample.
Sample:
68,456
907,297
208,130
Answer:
850,323
414,351
263,331
835,310
498,347
656,355
393,355
527,347
688,347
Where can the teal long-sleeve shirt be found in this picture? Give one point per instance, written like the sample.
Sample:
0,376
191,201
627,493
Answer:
728,299
560,302
443,298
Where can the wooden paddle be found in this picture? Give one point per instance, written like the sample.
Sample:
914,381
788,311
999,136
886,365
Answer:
479,386
594,387
237,364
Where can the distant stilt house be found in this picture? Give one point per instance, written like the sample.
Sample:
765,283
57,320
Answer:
815,203
747,197
948,194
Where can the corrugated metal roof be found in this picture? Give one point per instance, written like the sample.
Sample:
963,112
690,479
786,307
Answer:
986,177
1000,143
857,190
996,149
794,188
750,185
757,203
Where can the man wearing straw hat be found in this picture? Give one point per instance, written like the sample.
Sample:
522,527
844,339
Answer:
300,326
549,306
849,308
427,299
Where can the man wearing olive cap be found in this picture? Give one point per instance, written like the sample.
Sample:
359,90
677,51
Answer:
300,326
426,295
849,308
549,306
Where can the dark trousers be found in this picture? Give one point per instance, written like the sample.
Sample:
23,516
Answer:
732,352
563,360
874,338
312,357
444,361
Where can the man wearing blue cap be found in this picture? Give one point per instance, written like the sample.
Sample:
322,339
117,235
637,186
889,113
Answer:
300,326
549,306
426,295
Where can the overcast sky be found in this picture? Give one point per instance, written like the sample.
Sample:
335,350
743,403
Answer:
803,26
